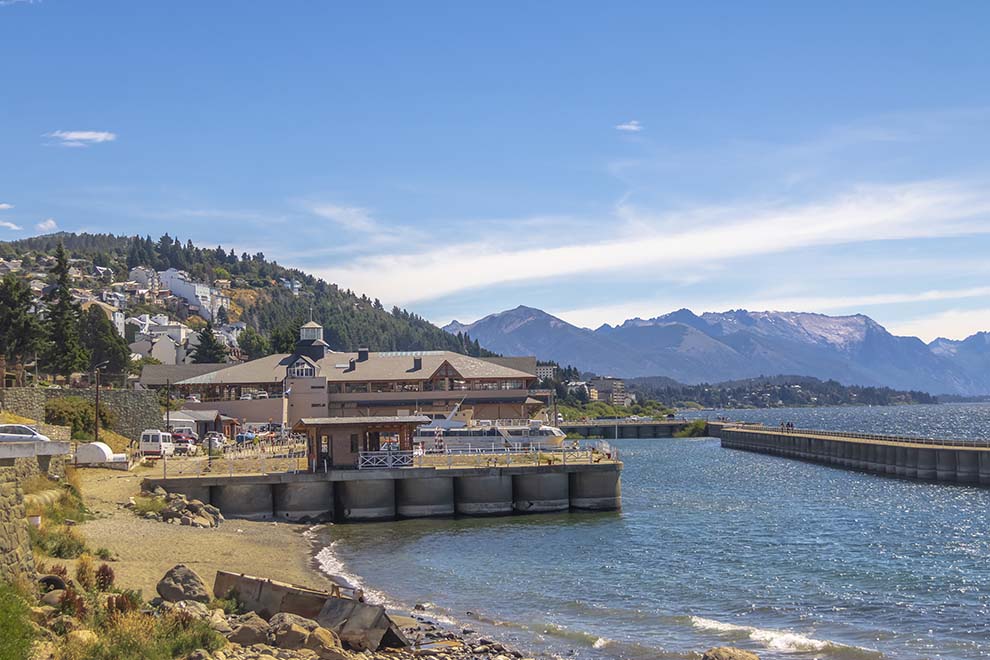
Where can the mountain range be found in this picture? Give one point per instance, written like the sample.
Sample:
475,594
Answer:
720,346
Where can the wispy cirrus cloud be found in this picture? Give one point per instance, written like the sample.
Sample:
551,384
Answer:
631,126
353,218
640,239
48,225
80,138
952,323
10,225
7,3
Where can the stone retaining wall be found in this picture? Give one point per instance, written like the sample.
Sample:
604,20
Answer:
135,410
16,559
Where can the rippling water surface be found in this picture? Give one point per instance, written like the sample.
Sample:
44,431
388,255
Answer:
715,546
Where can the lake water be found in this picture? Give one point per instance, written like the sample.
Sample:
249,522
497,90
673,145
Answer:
714,546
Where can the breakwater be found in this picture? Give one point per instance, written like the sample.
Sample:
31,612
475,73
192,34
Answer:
950,461
364,495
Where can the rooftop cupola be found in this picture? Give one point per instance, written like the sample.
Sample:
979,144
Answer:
311,342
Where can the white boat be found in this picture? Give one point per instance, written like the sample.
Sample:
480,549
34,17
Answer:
467,433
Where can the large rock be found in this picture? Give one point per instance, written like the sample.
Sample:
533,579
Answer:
325,644
182,583
285,618
728,653
251,629
218,622
290,636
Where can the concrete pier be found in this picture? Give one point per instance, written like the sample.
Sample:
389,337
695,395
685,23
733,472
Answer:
489,495
244,500
961,462
539,492
423,498
294,501
595,491
371,499
363,495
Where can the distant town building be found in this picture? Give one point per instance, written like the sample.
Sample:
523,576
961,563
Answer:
611,390
201,298
115,316
145,277
545,371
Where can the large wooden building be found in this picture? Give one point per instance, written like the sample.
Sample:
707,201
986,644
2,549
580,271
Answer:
315,381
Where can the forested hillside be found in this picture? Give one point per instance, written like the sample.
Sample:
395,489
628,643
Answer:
350,320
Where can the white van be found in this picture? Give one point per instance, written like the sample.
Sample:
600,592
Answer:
156,443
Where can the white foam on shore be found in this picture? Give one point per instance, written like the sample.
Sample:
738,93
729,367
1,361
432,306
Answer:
601,643
776,640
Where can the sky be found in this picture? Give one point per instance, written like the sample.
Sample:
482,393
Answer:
599,161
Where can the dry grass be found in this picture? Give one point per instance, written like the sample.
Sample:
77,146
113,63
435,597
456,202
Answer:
11,418
117,442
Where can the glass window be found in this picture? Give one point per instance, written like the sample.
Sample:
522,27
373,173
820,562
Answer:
354,443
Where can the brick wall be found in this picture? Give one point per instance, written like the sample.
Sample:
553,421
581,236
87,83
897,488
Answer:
16,559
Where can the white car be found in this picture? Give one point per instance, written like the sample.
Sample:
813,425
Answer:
21,433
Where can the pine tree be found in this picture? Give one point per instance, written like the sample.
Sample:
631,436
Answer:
254,344
103,342
222,318
20,332
209,350
64,353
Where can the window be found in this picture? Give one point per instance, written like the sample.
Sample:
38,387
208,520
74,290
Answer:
354,443
302,369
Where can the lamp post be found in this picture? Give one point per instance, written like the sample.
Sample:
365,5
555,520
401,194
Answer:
96,412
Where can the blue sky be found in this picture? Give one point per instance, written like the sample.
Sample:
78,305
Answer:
599,161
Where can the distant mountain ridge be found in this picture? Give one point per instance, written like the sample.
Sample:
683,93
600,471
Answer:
738,344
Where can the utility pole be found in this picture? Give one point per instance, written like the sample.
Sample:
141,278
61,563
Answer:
96,410
168,405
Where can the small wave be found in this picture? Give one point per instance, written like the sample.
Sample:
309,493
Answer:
601,643
331,564
777,640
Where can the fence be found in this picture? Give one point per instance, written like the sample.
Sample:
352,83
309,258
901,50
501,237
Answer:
763,428
461,457
264,458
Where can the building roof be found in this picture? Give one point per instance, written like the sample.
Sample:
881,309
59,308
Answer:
345,367
356,421
311,324
153,375
194,415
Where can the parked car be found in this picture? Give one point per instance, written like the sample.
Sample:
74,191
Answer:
193,398
261,395
245,397
156,443
214,441
185,444
21,433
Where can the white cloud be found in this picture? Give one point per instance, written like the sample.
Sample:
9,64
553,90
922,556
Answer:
6,207
951,324
349,217
48,225
5,3
675,240
9,225
632,126
81,138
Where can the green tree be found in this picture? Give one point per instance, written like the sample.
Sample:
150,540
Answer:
20,332
103,342
209,350
253,343
222,318
64,353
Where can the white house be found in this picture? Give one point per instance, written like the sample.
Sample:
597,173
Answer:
197,294
145,277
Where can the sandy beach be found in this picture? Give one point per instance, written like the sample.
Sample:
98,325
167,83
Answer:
145,549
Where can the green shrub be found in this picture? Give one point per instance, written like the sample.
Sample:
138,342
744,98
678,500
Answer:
143,505
696,429
57,541
77,412
16,632
104,554
137,635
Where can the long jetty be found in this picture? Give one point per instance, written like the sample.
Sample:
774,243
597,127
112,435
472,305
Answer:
624,429
949,461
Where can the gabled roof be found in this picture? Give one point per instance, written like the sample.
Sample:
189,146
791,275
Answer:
155,375
337,367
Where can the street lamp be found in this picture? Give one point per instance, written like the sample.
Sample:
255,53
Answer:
96,413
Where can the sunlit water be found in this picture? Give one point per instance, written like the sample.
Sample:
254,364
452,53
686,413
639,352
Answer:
714,546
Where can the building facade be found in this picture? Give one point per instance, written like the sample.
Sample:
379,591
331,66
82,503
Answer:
315,381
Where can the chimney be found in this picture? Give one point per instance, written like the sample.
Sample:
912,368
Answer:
417,363
351,364
362,354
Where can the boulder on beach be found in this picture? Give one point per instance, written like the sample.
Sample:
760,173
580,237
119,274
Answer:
728,653
286,618
250,629
182,583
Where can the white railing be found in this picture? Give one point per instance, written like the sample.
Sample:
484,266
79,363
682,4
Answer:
764,428
493,456
379,460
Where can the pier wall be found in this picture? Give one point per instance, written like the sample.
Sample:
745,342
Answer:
928,462
366,495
